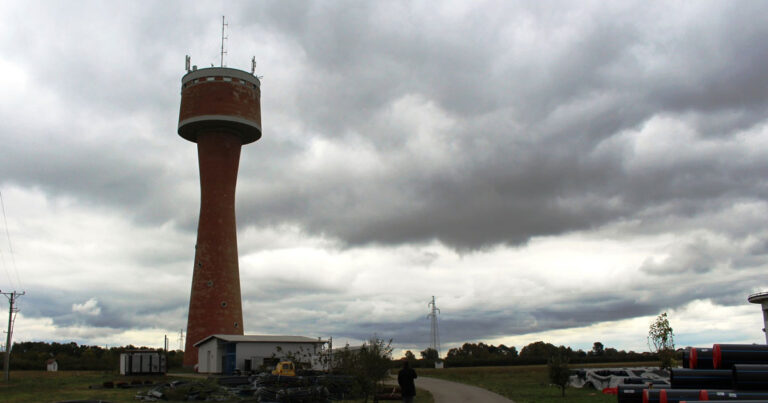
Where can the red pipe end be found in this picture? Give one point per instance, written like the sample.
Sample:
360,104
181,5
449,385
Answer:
717,356
645,395
693,358
703,395
662,396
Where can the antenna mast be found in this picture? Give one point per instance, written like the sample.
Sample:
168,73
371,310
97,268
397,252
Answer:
433,315
223,52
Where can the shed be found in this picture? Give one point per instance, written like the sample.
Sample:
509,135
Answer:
226,354
51,365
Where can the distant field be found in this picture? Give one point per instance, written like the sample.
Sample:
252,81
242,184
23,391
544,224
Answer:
526,384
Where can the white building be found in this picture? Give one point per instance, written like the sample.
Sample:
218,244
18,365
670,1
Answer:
224,354
51,365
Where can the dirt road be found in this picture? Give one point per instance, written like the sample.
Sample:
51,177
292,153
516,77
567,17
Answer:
452,392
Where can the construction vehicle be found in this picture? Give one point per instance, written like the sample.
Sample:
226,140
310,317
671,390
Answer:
285,368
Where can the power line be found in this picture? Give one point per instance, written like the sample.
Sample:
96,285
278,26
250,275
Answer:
10,245
5,268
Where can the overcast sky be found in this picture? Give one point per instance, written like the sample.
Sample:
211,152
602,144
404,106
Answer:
556,171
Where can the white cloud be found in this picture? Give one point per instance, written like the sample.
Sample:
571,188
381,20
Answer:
90,307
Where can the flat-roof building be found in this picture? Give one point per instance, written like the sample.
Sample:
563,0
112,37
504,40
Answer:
228,353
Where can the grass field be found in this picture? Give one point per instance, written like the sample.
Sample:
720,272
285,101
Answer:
42,386
525,384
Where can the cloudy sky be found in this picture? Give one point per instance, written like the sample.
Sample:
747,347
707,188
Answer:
557,171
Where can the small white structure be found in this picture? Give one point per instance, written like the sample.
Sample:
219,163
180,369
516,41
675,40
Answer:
51,365
142,362
225,354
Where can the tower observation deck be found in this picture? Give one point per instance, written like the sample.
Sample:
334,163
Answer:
220,111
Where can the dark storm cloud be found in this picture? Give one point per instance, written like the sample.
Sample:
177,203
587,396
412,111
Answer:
118,311
538,98
531,151
531,115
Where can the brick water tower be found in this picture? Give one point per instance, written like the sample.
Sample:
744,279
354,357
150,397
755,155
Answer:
220,111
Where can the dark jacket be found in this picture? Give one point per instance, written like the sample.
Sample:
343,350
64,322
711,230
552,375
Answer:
405,378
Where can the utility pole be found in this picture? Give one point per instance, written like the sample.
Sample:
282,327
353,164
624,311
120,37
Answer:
181,339
12,297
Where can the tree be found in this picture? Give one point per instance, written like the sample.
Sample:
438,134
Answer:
429,354
369,365
509,352
598,348
410,356
559,373
661,340
538,350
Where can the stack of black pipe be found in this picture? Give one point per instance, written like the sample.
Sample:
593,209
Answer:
732,372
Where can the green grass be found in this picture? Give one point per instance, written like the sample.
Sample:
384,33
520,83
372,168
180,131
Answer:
41,386
525,384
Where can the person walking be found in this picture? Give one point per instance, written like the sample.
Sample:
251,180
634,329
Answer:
405,378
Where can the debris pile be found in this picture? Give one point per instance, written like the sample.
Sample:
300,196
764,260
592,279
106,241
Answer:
601,378
257,388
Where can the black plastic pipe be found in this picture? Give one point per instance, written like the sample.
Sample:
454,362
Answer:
729,401
750,377
700,358
633,393
683,378
724,356
736,395
672,395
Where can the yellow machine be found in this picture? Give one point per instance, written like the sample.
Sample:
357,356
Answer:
285,368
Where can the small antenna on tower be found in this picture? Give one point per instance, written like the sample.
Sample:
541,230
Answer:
186,65
223,52
253,65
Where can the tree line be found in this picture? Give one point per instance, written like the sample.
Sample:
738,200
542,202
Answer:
481,354
71,356
33,355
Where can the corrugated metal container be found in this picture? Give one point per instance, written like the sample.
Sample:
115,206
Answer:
142,362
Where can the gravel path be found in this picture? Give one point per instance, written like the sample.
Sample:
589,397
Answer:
452,392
